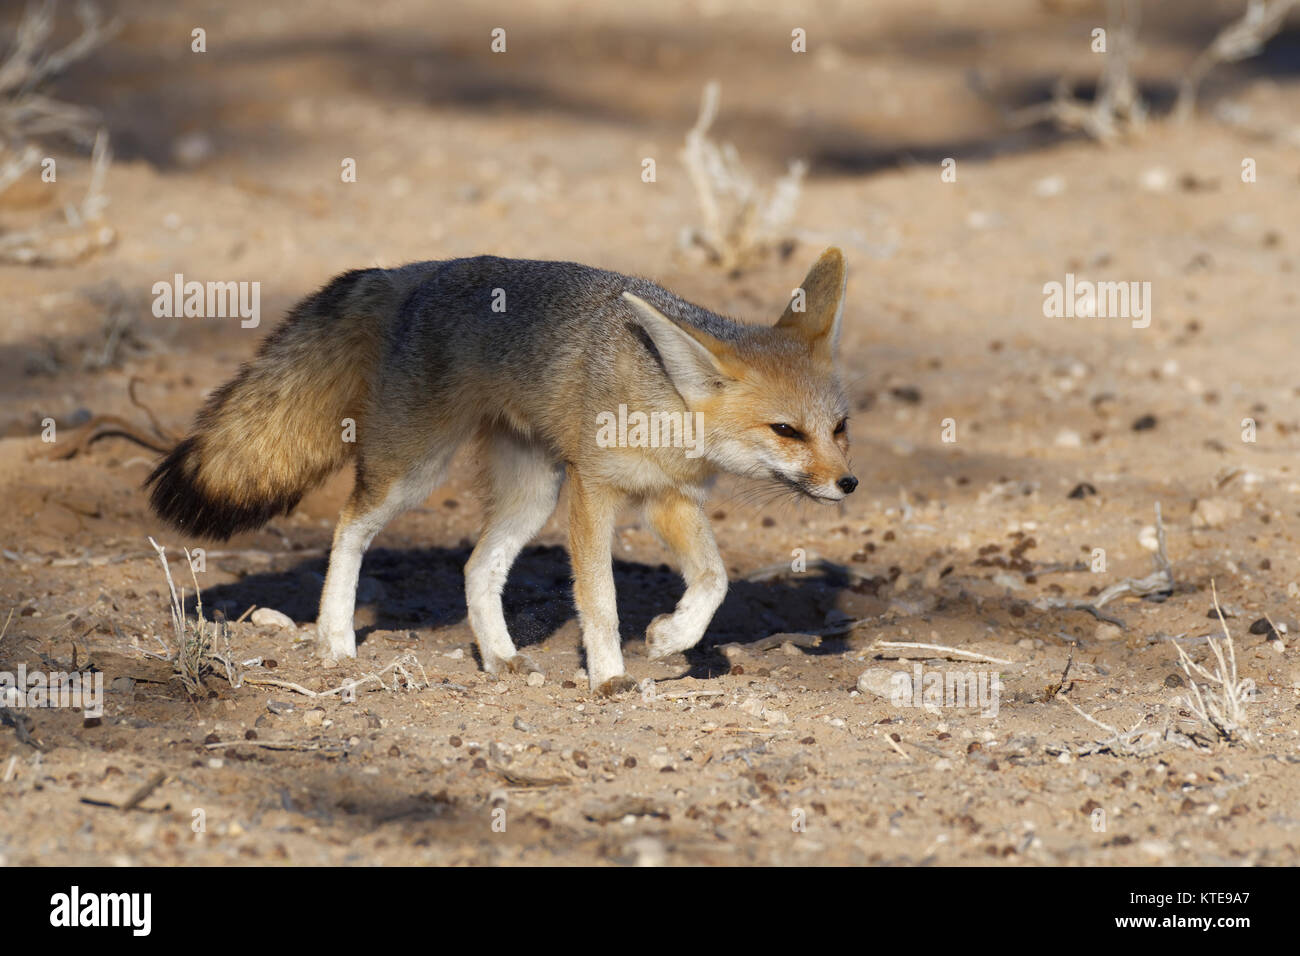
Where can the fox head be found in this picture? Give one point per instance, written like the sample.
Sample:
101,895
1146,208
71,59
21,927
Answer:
771,404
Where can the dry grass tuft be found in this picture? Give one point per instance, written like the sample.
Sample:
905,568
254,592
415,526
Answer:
743,223
26,112
1220,700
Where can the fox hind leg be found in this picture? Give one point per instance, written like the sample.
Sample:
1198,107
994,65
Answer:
681,524
523,483
373,504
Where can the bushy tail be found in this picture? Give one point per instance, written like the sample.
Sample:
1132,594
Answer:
275,430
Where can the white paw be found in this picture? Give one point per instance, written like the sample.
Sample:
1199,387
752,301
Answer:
666,636
335,641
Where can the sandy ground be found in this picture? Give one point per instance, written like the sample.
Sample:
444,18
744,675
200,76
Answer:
227,168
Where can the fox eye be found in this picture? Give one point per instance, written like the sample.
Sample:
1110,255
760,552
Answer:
788,431
842,426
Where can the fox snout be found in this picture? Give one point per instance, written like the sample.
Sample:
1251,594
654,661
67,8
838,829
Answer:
847,484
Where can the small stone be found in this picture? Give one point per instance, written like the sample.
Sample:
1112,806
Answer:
535,679
647,851
1262,626
1158,849
1149,538
1049,186
193,149
880,681
1215,512
279,707
1107,632
314,717
457,654
1156,179
269,617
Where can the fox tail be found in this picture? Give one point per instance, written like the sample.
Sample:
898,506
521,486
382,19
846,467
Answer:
275,431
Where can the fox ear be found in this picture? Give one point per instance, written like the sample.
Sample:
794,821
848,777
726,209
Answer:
817,322
692,357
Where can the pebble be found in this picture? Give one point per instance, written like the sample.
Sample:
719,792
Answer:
1215,512
1156,848
1156,179
878,681
536,679
647,851
270,617
1049,186
314,717
279,706
1107,632
456,655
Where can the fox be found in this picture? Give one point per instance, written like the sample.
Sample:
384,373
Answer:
528,360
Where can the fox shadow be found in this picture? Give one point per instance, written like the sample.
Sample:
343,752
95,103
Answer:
425,588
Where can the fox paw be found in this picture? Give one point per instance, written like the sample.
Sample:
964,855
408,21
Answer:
520,664
619,684
663,638
515,664
335,642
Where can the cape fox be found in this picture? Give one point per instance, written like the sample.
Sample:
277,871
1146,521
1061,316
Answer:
532,360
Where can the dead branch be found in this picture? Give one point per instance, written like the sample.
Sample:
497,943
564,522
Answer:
741,222
1260,22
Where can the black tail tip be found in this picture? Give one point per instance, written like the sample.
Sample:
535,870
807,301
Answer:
176,496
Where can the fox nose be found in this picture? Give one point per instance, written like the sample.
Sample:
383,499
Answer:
847,484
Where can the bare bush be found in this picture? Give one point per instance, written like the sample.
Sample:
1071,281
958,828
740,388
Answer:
742,221
1118,110
27,111
1239,40
1218,697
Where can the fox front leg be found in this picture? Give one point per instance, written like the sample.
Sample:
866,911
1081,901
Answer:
680,522
591,527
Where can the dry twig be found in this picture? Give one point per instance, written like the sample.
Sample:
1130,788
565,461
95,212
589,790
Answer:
742,223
